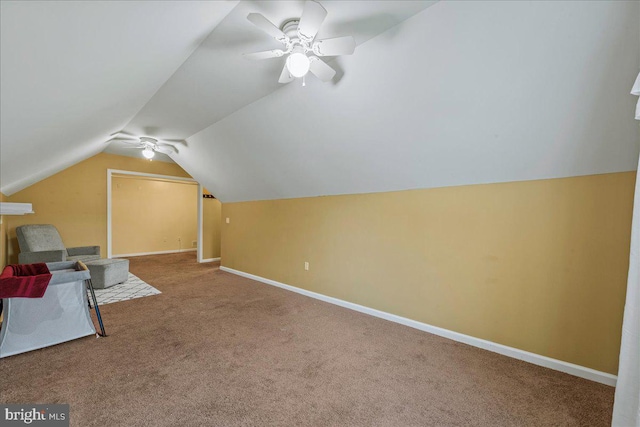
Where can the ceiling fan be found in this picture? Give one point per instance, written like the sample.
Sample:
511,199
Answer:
300,48
149,146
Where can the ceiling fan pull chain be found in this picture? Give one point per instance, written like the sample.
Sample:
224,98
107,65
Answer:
303,82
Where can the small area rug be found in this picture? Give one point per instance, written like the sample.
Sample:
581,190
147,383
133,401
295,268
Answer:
134,287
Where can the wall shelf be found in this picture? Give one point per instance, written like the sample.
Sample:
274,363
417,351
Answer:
7,208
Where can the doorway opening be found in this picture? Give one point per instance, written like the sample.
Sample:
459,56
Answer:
152,214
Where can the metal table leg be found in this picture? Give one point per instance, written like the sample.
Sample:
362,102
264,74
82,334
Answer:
97,309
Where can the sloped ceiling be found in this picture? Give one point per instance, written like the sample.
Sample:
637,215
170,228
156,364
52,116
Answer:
458,93
216,80
461,93
74,72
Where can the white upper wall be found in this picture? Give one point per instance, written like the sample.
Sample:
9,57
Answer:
461,93
74,72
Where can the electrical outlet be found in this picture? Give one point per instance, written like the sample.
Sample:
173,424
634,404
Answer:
306,265
228,221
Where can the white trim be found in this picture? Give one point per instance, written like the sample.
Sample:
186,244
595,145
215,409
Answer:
111,172
210,259
536,359
109,228
151,175
175,251
200,223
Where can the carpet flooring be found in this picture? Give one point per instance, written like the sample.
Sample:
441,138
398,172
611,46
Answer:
215,349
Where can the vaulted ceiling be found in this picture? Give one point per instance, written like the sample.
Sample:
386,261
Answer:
436,94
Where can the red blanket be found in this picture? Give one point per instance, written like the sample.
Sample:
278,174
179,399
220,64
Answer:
24,281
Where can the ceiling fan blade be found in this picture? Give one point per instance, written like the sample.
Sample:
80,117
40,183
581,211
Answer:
124,136
320,69
122,140
312,16
130,142
166,151
167,147
268,27
285,76
331,47
256,56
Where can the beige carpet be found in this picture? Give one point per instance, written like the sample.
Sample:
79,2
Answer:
215,349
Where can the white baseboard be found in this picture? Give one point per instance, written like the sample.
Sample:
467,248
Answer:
536,359
175,251
210,259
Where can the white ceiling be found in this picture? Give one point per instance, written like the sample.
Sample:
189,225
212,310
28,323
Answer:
461,93
216,80
458,93
71,73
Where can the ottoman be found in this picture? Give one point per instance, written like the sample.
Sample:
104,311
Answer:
108,272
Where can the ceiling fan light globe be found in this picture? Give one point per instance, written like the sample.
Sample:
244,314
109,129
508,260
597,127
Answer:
298,64
148,153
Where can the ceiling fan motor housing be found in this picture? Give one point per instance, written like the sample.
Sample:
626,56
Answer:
290,28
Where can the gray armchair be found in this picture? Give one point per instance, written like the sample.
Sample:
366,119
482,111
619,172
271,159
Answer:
42,243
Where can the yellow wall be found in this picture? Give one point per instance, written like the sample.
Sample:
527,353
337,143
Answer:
538,265
211,211
75,200
3,237
152,215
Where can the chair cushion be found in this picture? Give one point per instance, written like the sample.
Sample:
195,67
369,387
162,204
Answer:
39,237
83,258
